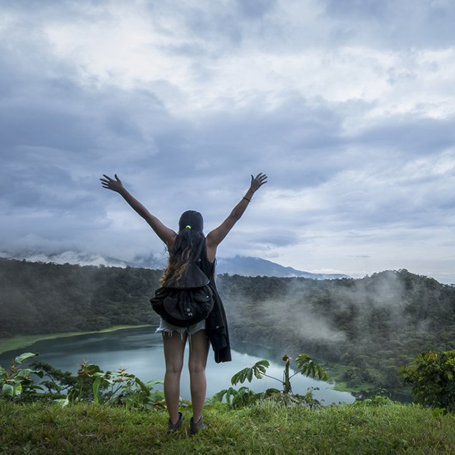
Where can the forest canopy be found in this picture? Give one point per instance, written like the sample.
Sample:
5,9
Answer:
370,326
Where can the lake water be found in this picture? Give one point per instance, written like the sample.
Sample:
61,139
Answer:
141,352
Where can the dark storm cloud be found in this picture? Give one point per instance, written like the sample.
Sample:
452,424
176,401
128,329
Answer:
410,135
212,30
56,10
343,167
300,138
56,133
211,23
256,9
400,24
272,238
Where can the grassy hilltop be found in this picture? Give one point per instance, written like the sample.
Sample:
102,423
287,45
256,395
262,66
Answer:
368,427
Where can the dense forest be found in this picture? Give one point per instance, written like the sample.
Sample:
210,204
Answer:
39,298
365,329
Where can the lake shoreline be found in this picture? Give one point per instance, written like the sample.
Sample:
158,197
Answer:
140,351
24,341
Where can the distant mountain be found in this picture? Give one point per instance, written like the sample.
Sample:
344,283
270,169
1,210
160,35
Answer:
150,261
238,265
251,266
67,257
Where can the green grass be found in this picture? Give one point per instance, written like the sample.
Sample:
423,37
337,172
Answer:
265,428
23,341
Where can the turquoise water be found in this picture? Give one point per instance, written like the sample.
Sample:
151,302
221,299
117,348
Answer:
141,352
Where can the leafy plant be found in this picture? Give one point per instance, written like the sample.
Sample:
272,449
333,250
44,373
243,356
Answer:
309,368
244,396
258,370
56,381
375,401
432,376
118,387
90,384
16,382
127,389
236,398
306,366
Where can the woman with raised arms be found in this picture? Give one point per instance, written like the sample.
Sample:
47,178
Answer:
213,330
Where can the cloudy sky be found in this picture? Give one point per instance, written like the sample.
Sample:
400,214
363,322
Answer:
347,105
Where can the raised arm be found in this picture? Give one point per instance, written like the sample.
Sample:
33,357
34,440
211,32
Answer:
166,234
215,237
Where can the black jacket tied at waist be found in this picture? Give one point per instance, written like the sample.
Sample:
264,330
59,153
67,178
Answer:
216,326
216,329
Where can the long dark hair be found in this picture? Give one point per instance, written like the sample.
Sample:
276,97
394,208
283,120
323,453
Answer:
188,239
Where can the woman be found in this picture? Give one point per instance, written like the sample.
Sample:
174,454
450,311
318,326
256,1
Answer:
213,330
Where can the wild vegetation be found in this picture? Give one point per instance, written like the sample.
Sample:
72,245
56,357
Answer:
264,428
92,419
432,377
19,383
363,330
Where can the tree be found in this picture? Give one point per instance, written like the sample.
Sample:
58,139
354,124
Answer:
432,375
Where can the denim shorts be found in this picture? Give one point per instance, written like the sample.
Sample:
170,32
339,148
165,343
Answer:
166,327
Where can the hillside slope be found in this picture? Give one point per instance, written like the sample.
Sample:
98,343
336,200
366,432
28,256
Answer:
365,329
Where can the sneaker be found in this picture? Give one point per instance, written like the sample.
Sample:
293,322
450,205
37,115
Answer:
196,427
176,426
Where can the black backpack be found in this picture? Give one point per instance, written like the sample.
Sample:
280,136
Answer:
187,301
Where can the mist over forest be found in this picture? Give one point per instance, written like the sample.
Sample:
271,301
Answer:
364,329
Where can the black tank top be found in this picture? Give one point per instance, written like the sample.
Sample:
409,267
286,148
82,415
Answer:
206,266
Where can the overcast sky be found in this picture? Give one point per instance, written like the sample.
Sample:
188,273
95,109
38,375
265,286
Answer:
347,105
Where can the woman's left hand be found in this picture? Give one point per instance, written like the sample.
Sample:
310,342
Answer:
258,181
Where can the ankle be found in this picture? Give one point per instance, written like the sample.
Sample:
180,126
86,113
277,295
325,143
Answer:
196,427
177,425
174,421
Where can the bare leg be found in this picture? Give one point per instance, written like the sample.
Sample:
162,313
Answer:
199,349
174,347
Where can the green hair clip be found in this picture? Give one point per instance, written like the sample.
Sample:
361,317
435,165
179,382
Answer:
187,226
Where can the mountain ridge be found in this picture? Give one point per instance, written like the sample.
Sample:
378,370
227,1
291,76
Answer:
237,265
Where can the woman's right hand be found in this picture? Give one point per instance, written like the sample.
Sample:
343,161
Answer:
111,184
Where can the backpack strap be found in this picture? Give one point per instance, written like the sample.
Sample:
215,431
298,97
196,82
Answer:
199,251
